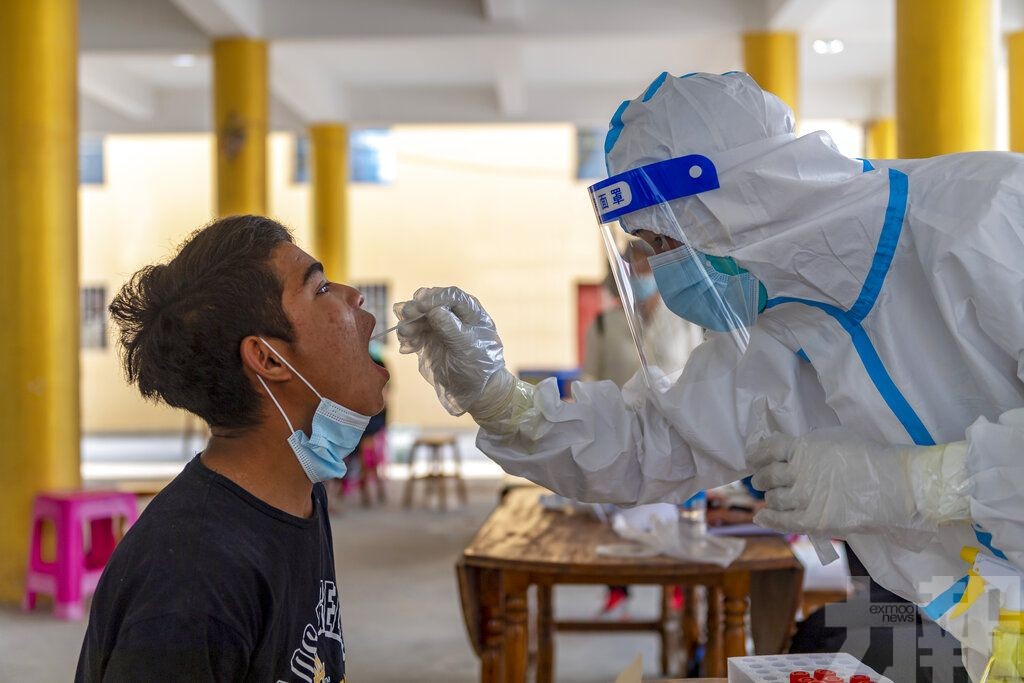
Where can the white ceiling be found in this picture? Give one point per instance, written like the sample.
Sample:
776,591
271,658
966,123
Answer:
425,61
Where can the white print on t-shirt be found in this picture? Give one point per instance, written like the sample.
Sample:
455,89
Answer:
306,662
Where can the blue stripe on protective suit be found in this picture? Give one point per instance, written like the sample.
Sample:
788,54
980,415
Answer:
851,320
890,237
614,129
945,601
985,538
653,87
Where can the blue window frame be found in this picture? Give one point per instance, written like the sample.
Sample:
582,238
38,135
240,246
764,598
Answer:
90,160
372,157
590,154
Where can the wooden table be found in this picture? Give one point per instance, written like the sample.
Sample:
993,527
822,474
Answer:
521,544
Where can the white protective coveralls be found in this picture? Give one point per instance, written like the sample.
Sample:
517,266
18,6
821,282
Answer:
896,310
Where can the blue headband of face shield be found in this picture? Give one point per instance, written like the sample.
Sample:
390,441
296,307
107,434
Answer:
653,184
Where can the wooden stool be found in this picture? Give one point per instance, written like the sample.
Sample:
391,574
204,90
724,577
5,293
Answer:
435,476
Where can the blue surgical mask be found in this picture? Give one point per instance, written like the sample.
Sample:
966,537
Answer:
695,290
335,434
644,286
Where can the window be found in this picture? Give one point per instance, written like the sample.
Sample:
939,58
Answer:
93,301
90,160
376,302
301,171
590,154
372,157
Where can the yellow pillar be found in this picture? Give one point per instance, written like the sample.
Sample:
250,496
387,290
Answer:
772,59
1015,60
39,428
880,139
329,175
240,120
944,86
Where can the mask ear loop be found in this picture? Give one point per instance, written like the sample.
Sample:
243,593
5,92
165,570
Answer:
290,367
291,430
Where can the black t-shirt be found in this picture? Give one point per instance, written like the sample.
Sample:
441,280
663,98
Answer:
213,584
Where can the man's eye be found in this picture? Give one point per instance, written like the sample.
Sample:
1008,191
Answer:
324,288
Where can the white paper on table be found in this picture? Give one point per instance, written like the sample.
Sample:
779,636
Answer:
834,576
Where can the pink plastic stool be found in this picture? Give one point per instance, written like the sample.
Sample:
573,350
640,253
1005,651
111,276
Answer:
73,574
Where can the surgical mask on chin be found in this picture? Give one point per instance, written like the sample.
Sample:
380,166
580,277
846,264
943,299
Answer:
335,434
644,286
696,291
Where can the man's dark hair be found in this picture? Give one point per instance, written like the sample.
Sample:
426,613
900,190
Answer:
181,323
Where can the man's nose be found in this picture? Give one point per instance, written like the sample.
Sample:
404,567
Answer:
353,296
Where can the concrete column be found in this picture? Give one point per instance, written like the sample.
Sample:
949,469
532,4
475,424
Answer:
329,176
944,77
1015,62
772,59
39,419
240,120
880,139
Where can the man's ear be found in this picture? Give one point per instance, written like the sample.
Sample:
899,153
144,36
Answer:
259,359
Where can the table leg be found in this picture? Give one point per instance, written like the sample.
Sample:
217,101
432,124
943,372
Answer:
691,624
492,619
714,655
666,599
515,586
411,481
736,586
545,634
460,483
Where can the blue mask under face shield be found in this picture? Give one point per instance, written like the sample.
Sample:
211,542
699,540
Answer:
694,289
643,206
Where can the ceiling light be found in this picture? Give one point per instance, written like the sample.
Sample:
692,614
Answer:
828,47
184,60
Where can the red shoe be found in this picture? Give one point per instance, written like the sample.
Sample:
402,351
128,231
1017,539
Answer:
616,605
677,599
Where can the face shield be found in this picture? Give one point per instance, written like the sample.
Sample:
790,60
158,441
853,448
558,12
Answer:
642,214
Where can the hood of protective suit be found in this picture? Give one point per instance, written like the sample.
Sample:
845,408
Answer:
694,114
763,169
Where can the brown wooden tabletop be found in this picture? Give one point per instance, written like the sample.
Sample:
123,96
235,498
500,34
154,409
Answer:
522,544
522,535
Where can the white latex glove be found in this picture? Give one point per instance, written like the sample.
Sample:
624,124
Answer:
833,482
457,343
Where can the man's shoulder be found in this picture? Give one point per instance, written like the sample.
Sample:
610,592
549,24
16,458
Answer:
183,532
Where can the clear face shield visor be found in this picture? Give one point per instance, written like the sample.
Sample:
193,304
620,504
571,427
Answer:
661,277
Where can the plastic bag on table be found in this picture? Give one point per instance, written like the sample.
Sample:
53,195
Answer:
681,540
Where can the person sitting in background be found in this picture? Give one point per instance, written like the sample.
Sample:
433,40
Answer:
228,575
609,353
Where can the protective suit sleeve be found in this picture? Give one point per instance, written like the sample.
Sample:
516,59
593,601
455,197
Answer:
996,472
635,446
974,257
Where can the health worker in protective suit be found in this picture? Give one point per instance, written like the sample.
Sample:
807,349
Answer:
865,334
